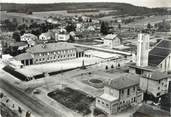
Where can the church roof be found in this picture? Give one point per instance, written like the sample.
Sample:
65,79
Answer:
159,53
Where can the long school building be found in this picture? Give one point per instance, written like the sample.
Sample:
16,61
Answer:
51,52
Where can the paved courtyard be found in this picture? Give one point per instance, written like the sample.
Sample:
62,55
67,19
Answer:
57,66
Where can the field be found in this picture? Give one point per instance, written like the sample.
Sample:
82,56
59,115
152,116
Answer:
151,20
65,13
73,99
20,17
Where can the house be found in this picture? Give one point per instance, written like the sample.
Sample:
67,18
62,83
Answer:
46,36
91,28
155,83
50,52
62,37
28,37
119,94
111,40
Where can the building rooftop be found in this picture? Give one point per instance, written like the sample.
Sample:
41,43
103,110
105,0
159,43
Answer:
18,44
108,97
50,47
159,53
123,82
23,56
110,36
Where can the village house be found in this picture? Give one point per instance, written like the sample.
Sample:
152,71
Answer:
155,83
28,37
111,40
46,36
119,94
50,52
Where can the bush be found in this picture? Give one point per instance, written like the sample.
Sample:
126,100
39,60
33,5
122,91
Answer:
15,73
98,112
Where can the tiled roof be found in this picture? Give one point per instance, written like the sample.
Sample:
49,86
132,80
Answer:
18,44
50,47
110,36
123,82
159,53
23,56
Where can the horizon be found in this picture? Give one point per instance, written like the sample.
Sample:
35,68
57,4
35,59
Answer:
143,3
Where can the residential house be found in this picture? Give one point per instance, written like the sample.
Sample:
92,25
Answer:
155,83
29,38
119,94
111,40
47,36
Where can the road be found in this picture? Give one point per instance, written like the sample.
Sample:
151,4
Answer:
36,106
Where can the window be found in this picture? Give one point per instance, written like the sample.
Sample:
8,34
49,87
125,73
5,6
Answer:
128,91
122,91
102,102
107,105
98,100
158,88
134,88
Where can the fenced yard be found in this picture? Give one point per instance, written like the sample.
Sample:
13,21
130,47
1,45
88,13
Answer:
73,99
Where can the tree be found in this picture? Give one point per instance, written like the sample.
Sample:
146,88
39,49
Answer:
28,114
106,67
80,19
19,110
70,27
119,26
149,26
16,36
112,66
164,26
71,39
104,29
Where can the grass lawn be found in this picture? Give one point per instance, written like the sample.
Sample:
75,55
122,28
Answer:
73,99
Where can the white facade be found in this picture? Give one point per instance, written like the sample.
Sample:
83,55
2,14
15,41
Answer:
142,50
62,37
111,41
118,100
154,87
44,37
28,37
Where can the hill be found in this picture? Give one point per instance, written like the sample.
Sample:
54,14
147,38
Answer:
121,8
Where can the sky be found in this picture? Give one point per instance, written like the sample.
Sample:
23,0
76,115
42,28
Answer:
147,3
